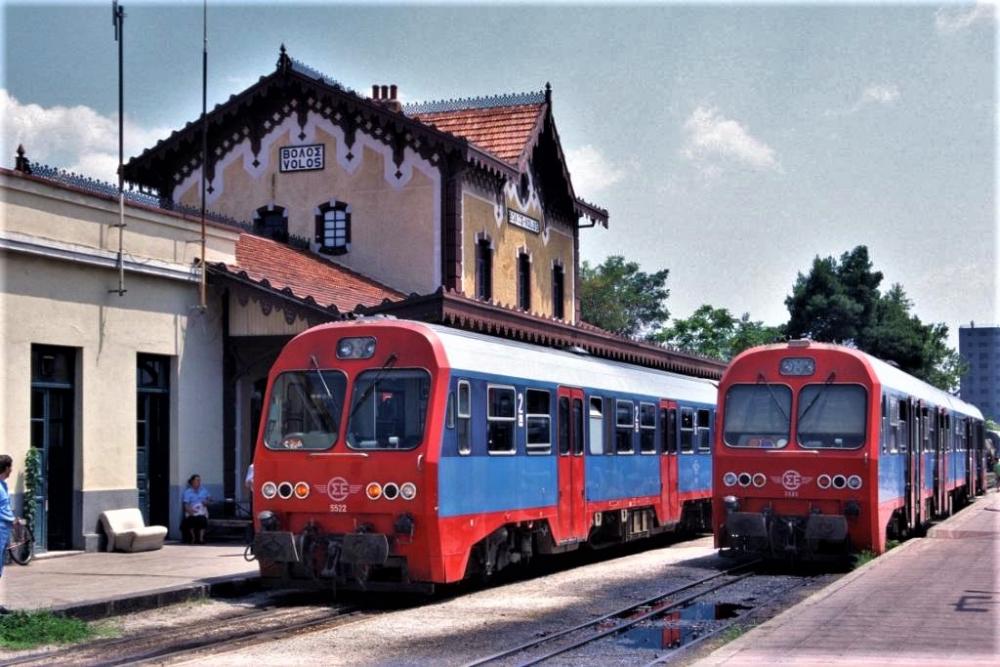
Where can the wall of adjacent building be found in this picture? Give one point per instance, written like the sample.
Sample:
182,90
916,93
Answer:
483,217
395,210
55,291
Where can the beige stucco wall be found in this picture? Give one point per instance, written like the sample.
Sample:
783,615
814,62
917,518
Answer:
482,216
54,300
395,225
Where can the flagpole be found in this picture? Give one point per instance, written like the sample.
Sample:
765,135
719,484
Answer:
118,18
203,296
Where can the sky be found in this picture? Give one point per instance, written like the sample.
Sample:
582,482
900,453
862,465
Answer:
731,143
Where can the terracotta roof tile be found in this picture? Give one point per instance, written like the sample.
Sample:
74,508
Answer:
307,274
504,131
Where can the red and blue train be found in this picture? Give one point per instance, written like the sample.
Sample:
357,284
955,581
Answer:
399,455
823,449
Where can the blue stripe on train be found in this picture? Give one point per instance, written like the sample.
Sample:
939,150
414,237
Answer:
694,472
475,484
613,477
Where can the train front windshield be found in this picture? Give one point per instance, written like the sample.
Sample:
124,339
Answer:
388,410
305,407
758,415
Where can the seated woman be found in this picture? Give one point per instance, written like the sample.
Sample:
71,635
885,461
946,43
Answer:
195,501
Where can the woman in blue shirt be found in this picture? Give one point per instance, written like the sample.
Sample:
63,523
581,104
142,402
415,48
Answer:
195,501
6,513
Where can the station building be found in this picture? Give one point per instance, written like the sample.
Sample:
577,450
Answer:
324,204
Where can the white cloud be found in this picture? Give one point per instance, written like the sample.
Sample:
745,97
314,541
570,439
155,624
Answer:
77,139
876,93
712,137
951,20
591,170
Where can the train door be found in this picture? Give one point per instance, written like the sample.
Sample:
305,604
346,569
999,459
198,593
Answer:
911,456
573,522
668,461
940,501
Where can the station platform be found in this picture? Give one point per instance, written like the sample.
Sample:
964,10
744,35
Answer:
95,585
931,601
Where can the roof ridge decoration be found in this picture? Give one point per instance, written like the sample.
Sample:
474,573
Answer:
302,68
486,102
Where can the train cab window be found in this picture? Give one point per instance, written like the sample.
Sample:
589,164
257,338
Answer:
563,425
704,433
624,425
687,430
596,430
757,415
463,413
305,410
389,409
832,416
647,428
500,420
668,426
539,421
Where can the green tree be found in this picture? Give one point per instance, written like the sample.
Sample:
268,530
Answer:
714,332
616,296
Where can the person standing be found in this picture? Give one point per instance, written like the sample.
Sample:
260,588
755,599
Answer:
6,512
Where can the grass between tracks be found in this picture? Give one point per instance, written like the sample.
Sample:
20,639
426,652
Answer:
27,629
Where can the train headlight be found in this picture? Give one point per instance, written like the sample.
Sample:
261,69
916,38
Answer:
729,479
390,491
356,348
854,482
269,490
301,490
745,479
731,503
759,480
839,481
285,490
373,491
408,491
823,481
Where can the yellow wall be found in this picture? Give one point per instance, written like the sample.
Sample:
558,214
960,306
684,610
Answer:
395,225
554,243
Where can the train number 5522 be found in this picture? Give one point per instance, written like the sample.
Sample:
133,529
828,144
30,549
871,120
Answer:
338,508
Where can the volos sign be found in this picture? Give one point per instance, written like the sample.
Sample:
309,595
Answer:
301,158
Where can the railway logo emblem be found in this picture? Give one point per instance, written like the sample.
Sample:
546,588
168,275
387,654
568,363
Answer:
338,489
791,480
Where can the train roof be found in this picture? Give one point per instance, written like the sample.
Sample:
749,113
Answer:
891,377
488,354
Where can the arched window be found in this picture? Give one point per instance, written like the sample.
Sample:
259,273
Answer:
271,221
333,228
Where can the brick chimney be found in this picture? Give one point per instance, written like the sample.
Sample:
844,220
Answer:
386,96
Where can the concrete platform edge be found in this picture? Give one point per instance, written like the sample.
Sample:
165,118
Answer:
229,586
728,650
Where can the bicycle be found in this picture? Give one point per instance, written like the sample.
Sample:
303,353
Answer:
21,546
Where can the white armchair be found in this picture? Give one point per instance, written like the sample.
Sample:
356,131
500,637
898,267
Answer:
126,531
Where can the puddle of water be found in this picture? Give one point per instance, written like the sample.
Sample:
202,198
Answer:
676,628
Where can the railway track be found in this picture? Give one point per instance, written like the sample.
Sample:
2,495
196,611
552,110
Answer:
661,614
219,635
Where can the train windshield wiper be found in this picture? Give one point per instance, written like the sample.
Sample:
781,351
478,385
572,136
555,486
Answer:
326,388
389,363
762,380
829,381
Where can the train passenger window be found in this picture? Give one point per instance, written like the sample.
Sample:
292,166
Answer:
884,427
463,431
647,428
832,416
624,425
668,424
687,430
388,409
563,425
305,409
596,426
902,427
500,419
449,418
704,435
757,415
539,420
578,426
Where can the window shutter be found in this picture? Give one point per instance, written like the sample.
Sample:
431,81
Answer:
347,228
319,227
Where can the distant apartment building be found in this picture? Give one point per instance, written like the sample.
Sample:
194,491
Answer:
980,348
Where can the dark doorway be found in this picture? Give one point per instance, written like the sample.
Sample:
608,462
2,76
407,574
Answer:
53,374
153,438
